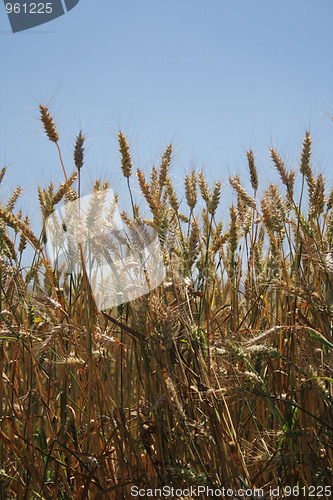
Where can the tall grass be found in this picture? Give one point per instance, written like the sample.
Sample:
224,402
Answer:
221,376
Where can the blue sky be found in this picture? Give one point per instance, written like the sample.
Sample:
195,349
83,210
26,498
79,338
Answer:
213,77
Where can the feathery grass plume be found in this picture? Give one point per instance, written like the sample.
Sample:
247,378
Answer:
317,197
48,124
215,199
126,160
253,171
79,151
306,155
146,191
2,173
191,190
233,233
247,199
16,224
166,159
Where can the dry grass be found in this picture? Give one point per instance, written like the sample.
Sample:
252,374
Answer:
221,376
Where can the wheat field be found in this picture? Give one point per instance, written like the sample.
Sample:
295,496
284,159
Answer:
221,376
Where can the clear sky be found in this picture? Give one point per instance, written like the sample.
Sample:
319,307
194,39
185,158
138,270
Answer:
214,77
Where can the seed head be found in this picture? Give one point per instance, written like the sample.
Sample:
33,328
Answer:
253,171
279,166
191,190
126,160
2,173
48,124
306,154
330,201
78,151
215,198
245,197
166,159
233,233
